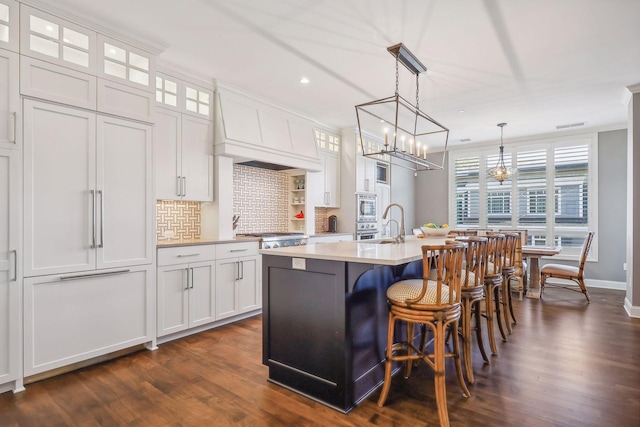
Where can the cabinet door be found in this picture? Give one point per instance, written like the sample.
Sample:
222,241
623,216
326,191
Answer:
226,297
55,40
9,25
249,288
69,319
59,183
9,99
332,179
384,198
173,299
197,159
10,289
124,193
167,157
202,307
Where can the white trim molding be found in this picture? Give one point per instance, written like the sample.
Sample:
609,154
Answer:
632,311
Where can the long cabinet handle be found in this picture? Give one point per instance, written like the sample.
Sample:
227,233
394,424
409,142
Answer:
86,276
240,270
101,194
184,186
12,129
239,250
93,219
15,265
178,186
191,277
187,255
187,271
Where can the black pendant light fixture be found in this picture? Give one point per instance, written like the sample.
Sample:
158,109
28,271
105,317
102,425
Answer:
501,172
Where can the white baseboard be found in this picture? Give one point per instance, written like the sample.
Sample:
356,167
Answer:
630,309
605,284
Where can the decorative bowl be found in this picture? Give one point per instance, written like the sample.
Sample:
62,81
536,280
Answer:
428,231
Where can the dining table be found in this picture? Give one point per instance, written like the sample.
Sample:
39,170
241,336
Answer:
533,255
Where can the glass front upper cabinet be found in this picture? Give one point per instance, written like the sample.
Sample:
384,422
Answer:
198,101
167,89
125,64
55,40
9,25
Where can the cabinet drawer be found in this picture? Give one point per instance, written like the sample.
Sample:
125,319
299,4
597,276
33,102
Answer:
234,250
186,254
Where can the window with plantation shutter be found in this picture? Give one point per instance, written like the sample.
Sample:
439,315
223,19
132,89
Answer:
467,191
552,193
499,200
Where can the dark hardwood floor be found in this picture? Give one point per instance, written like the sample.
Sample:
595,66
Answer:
567,364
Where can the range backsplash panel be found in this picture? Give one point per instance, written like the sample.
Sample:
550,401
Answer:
260,197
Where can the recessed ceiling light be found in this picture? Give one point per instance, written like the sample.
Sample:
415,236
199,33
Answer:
304,80
460,111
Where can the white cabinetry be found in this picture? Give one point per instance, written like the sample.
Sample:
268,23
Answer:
186,291
74,317
56,40
9,25
88,201
238,284
9,99
123,63
184,157
365,174
329,238
184,140
383,192
10,289
326,184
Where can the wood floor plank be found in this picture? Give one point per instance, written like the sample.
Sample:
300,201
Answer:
567,363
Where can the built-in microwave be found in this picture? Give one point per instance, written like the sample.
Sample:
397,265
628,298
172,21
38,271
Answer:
366,207
382,173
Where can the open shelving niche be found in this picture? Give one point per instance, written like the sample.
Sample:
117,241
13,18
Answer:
297,201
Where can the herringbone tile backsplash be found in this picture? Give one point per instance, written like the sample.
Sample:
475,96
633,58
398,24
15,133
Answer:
260,198
183,218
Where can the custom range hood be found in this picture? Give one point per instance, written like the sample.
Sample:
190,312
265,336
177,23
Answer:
254,132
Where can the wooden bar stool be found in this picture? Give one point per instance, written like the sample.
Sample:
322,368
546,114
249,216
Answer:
472,288
508,272
429,303
492,287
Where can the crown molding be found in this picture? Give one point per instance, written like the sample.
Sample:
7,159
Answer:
76,16
634,88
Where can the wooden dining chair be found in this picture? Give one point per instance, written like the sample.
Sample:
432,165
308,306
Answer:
568,272
433,304
472,289
520,276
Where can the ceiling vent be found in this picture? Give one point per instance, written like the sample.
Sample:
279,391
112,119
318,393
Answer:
571,125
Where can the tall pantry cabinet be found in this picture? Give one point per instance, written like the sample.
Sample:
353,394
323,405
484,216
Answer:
88,202
10,201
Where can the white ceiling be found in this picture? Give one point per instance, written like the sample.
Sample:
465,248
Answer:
534,64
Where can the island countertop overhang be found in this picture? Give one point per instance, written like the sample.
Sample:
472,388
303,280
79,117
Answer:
361,251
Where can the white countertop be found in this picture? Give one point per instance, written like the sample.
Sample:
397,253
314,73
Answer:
171,243
362,251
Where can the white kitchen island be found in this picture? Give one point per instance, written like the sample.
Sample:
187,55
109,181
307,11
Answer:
325,315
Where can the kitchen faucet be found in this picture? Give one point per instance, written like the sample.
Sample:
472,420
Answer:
388,223
400,237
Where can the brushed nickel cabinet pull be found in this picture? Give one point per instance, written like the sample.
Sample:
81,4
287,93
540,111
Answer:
93,219
15,265
101,245
184,186
178,186
187,255
187,271
90,275
239,250
240,270
12,130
